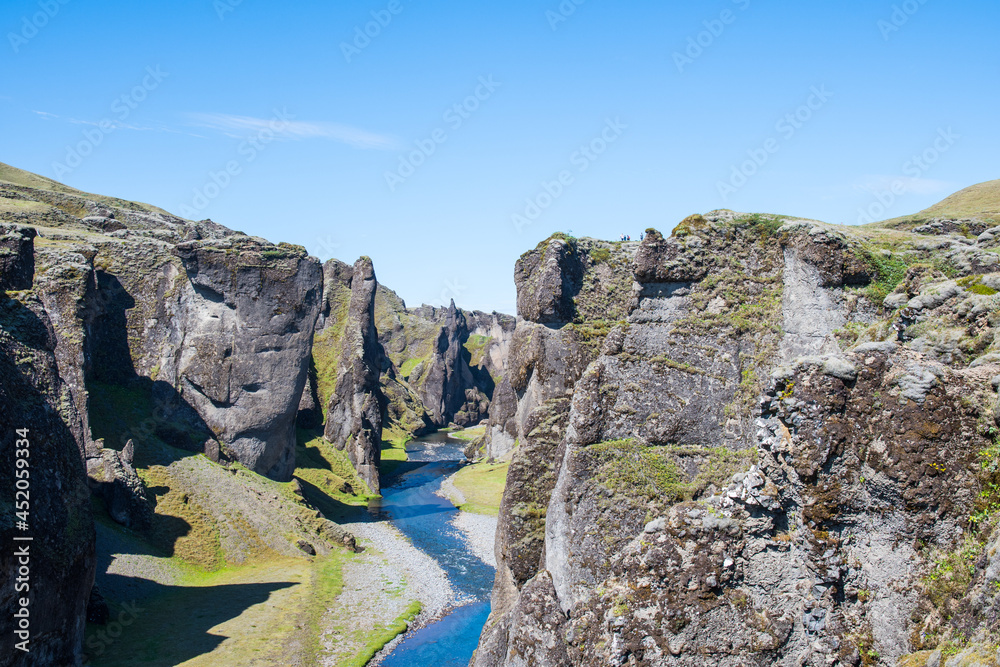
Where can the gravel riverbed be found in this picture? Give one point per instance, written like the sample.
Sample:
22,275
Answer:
480,532
423,578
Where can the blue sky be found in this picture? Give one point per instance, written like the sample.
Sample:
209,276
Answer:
598,118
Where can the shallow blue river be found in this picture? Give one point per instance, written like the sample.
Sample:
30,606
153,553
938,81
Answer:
409,501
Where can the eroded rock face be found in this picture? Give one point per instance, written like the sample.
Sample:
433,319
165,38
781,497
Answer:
245,324
357,406
545,358
672,518
448,388
449,358
547,279
17,257
61,554
215,333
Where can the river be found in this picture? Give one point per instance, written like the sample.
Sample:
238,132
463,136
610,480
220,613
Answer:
410,502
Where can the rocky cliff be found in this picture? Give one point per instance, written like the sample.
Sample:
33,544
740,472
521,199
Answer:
451,358
212,325
132,340
778,449
357,404
427,367
54,569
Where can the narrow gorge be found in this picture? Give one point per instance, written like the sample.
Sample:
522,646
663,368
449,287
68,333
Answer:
760,440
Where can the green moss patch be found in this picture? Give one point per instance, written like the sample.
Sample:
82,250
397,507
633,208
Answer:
406,370
888,268
656,472
476,345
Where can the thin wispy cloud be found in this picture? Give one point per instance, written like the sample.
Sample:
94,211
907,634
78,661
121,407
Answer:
240,126
115,124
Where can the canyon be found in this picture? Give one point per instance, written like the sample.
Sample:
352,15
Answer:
761,440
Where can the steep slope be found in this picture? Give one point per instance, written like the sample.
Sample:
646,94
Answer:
781,452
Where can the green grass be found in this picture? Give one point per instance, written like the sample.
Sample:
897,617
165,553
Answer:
889,271
976,200
973,284
10,174
470,434
600,255
21,206
261,614
765,226
327,468
482,485
383,636
327,584
394,439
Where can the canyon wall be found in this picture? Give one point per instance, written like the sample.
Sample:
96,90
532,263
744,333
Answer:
761,441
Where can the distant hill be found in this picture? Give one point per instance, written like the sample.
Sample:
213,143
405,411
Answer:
20,177
977,201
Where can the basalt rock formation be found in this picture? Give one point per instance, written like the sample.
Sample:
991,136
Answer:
211,326
452,359
761,441
357,406
434,366
449,388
